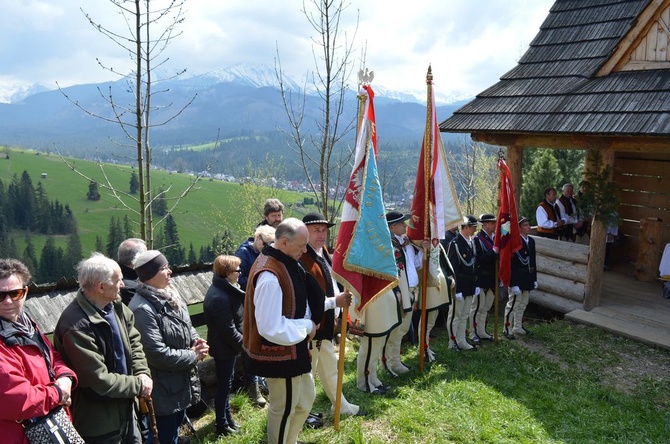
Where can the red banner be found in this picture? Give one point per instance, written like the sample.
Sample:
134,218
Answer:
507,239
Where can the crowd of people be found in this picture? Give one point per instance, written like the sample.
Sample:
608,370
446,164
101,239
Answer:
124,358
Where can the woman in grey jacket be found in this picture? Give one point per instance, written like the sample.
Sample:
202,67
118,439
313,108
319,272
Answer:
171,344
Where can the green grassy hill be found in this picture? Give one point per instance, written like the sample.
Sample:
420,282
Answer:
207,210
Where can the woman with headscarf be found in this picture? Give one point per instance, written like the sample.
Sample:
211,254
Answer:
171,344
33,378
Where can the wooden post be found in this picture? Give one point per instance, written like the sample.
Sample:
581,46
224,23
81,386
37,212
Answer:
650,252
514,162
594,269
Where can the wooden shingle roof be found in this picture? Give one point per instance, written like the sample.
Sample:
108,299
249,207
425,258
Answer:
597,67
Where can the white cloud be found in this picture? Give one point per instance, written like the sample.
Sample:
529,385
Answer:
469,44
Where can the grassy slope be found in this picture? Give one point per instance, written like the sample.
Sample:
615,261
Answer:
203,213
565,383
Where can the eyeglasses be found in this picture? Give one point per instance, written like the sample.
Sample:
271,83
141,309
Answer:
14,295
238,271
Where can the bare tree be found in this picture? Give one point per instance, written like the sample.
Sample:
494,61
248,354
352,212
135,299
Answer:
474,171
332,53
150,30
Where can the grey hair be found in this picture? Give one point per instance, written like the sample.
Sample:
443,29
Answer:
129,249
265,232
94,270
288,229
568,185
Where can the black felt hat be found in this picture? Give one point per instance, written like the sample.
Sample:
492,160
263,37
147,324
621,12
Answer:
523,219
396,216
469,221
487,218
316,218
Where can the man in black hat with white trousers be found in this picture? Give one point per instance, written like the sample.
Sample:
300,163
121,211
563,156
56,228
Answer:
318,263
486,279
461,254
523,280
408,258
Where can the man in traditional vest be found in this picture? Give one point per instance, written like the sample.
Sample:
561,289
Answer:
486,279
461,254
283,305
408,258
318,263
568,208
523,280
548,215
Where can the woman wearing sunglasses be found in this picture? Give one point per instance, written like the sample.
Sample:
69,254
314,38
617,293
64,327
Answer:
33,378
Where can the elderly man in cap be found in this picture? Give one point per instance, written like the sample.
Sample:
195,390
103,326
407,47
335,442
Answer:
318,263
486,279
283,305
523,280
408,258
461,254
97,338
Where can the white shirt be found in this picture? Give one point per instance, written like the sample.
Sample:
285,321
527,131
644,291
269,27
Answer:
330,303
413,261
568,219
543,219
272,325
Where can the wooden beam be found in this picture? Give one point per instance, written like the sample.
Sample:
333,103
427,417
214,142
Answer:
594,270
554,302
630,144
559,286
562,249
565,269
515,164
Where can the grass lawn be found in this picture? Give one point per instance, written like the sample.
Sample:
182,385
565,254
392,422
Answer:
565,383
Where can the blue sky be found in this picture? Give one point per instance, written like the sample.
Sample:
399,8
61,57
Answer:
469,43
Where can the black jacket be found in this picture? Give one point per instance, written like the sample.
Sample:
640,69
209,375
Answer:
224,312
524,270
463,261
486,261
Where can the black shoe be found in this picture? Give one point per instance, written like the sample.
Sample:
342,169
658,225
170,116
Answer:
313,422
361,413
233,425
225,431
476,340
317,415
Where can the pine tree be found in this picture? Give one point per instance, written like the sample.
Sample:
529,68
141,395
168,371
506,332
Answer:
173,251
51,262
127,230
73,253
134,183
93,192
43,219
29,257
114,237
159,203
25,203
99,245
192,259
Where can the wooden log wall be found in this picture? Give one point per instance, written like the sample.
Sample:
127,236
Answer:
561,274
45,308
645,195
